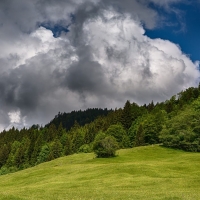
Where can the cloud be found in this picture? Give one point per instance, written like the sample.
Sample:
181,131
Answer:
166,3
104,60
138,9
133,63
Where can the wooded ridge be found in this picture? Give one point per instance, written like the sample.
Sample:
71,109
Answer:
174,123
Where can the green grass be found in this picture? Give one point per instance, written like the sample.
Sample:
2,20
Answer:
144,173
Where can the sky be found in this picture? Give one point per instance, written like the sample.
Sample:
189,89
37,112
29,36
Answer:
65,55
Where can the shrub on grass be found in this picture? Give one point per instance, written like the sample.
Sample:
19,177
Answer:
105,146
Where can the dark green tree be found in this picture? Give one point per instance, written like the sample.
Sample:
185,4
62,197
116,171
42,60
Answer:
11,159
55,149
52,133
4,154
44,154
37,148
126,117
61,130
78,137
21,155
139,138
66,142
150,107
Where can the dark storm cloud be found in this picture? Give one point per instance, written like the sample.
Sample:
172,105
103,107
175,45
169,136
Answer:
17,17
22,87
26,87
86,76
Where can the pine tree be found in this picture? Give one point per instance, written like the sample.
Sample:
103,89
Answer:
150,107
21,155
55,149
78,140
139,139
126,118
37,147
52,132
4,153
61,130
68,146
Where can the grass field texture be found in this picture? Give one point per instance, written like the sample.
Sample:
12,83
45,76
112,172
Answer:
142,173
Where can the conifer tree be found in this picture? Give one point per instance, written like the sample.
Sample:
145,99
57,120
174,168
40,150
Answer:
21,158
4,153
139,138
52,132
77,140
11,159
55,149
37,147
68,145
126,118
150,107
61,130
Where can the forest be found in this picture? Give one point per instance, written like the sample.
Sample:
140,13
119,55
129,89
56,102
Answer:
174,123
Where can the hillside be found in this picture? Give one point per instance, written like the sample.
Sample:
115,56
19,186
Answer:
145,173
174,123
81,117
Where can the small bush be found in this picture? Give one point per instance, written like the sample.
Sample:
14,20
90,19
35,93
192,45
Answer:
4,170
105,146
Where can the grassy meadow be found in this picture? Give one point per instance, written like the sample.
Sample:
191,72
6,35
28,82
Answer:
142,173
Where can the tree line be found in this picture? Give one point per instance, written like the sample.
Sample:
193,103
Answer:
174,123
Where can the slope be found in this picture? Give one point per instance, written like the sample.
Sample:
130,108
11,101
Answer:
150,172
